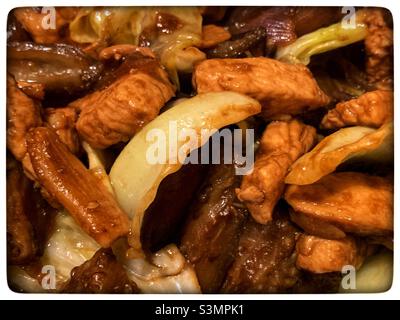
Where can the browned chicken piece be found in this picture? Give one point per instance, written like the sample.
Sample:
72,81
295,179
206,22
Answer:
212,35
265,261
80,192
38,24
101,274
211,234
379,49
281,145
118,111
280,87
21,244
33,90
316,226
371,109
353,202
23,113
322,255
117,52
62,121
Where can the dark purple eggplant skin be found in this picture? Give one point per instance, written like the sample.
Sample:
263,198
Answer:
60,68
283,24
166,214
238,47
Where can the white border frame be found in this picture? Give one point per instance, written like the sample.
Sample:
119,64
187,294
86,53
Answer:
6,293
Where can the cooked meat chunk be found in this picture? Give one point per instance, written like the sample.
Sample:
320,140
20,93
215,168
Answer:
265,261
353,202
117,52
321,255
62,121
281,144
118,111
372,109
38,24
316,226
212,35
281,88
23,113
211,234
21,244
318,282
101,274
379,48
75,187
168,211
33,90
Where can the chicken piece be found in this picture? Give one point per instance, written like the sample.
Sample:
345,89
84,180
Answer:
21,244
211,234
265,261
117,112
23,113
212,35
321,255
281,145
62,121
353,202
372,109
117,52
317,227
39,26
295,92
379,49
78,189
33,90
101,274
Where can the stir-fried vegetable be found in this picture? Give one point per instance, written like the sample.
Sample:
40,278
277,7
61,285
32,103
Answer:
341,146
166,271
136,187
170,31
376,275
321,40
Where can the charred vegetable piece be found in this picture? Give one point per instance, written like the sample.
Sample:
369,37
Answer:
211,234
283,24
60,68
167,212
76,188
237,48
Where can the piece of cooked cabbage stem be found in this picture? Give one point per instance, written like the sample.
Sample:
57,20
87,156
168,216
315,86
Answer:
135,180
349,143
325,39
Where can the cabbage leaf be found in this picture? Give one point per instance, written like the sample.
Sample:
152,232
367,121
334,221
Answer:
345,144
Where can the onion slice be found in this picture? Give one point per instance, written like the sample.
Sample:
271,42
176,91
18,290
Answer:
135,180
344,144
